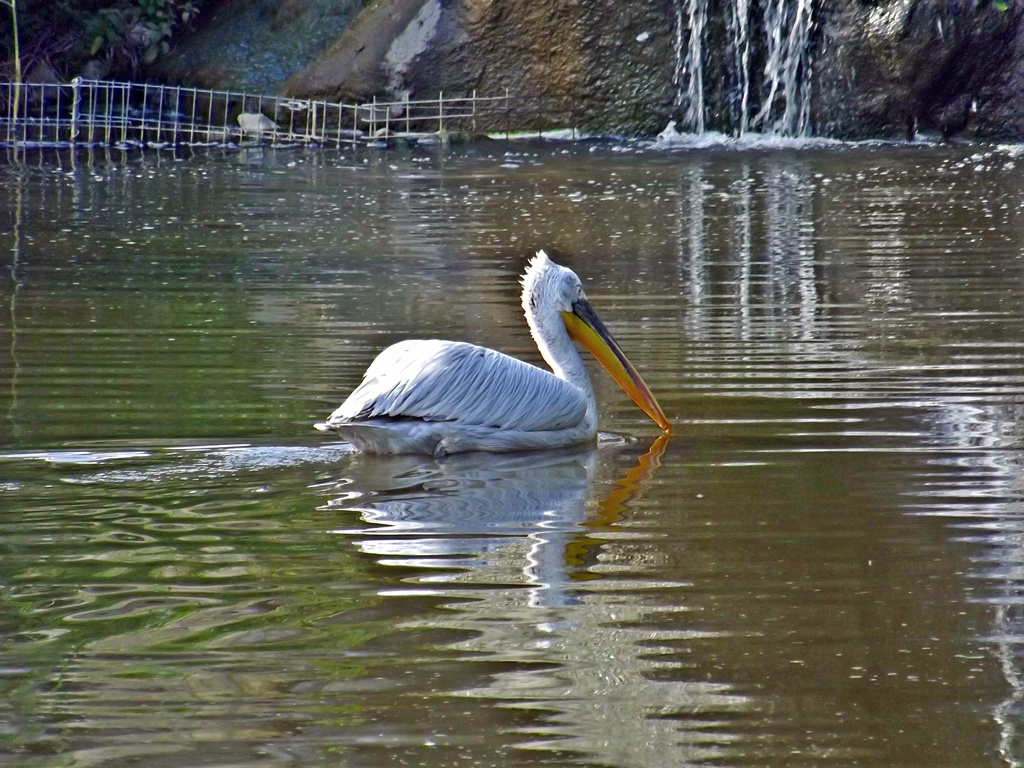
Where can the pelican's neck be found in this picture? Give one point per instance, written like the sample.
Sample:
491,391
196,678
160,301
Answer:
546,287
559,352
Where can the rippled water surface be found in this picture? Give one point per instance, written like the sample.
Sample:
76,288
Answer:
823,566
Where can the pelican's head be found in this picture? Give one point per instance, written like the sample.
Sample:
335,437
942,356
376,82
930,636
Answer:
548,289
552,296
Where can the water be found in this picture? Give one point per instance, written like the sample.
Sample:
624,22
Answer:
823,565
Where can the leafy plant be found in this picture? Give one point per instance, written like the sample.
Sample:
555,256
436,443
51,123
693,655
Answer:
17,51
139,31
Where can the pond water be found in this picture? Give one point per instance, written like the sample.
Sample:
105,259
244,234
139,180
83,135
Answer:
824,565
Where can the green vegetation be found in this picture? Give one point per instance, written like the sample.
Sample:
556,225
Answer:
140,30
64,38
15,51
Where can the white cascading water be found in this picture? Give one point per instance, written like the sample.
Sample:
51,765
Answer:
774,101
698,16
739,39
689,69
679,72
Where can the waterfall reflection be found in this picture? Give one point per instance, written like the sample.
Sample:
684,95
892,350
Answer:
547,584
693,254
742,191
790,245
763,254
981,484
1003,564
763,266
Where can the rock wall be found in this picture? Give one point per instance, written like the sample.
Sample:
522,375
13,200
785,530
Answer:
942,67
575,59
892,68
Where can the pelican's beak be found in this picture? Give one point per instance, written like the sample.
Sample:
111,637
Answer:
586,327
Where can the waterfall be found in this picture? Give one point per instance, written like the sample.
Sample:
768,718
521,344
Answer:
766,58
689,62
739,40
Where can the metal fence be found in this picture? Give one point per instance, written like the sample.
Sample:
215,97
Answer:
137,114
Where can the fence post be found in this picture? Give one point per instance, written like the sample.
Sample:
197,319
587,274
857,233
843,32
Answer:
192,118
209,120
110,114
224,120
259,123
160,113
176,116
145,106
126,102
92,109
75,97
42,111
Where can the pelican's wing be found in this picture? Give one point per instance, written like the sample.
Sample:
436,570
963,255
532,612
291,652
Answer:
454,381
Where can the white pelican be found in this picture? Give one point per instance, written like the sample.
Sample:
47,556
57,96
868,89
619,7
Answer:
443,397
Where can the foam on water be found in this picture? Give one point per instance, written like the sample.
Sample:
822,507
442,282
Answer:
672,138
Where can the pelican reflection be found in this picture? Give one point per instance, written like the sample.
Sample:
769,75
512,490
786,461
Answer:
528,517
527,548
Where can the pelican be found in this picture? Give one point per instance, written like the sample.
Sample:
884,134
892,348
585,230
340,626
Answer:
443,397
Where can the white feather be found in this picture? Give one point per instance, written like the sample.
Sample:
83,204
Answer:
462,383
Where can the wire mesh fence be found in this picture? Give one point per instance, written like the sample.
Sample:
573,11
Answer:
139,114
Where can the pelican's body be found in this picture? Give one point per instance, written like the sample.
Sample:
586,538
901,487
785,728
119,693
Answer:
443,397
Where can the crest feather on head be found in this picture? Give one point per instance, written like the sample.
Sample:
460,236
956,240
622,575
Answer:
539,262
530,281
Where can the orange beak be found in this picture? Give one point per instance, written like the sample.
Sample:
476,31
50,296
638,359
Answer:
586,327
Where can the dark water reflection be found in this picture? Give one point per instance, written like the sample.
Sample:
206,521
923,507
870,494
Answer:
823,566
